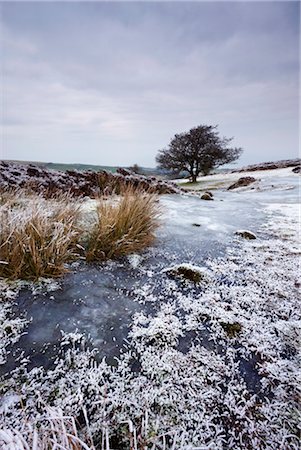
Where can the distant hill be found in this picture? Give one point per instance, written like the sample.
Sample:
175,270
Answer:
79,167
83,167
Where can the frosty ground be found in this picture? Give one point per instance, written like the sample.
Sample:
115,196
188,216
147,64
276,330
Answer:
121,355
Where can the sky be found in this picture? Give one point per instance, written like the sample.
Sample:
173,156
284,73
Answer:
110,83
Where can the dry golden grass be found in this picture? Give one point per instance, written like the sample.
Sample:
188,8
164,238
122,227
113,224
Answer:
124,227
37,236
11,196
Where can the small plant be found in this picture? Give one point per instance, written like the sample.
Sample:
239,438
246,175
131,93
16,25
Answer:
187,272
123,227
231,329
37,236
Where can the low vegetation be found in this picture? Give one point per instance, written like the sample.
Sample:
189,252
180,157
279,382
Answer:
50,183
231,329
39,236
124,227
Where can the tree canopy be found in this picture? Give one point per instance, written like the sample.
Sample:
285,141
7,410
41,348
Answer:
197,151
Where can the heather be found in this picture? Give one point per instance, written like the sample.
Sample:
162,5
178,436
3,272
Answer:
50,183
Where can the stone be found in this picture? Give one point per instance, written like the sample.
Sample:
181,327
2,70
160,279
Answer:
206,196
246,234
243,181
297,169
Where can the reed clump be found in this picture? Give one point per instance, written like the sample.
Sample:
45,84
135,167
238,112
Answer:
37,236
123,227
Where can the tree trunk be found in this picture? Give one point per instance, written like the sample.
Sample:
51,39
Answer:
193,177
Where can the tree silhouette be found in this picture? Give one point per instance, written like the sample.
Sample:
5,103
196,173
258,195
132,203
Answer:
197,151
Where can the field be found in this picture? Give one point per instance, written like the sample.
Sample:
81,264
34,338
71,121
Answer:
173,322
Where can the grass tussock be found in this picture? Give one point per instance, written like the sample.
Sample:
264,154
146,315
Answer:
37,236
124,227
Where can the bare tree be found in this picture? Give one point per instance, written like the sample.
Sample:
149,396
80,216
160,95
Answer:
136,169
198,151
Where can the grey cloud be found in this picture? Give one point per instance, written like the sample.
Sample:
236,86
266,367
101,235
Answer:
112,82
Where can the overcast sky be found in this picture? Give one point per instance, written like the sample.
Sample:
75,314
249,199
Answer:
111,83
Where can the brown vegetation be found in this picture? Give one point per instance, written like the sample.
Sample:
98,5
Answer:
123,227
37,236
50,183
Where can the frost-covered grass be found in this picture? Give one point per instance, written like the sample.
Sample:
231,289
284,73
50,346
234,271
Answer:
193,399
124,227
37,236
58,431
10,327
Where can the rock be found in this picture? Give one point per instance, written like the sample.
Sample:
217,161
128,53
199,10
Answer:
245,234
206,196
196,225
231,329
187,272
297,169
243,181
209,193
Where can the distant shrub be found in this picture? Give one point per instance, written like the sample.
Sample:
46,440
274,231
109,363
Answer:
37,236
136,169
124,227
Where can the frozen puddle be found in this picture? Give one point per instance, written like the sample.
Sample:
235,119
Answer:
100,301
95,301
